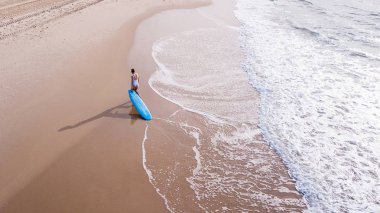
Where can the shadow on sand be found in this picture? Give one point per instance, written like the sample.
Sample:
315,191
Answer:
114,112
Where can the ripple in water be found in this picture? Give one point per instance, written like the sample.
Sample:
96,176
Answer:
316,65
213,157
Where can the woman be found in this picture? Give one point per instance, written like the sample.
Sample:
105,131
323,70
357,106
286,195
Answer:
134,80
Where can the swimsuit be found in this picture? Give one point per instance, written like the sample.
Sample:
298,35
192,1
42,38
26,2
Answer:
135,82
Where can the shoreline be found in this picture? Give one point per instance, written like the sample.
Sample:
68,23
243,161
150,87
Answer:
93,142
165,139
53,171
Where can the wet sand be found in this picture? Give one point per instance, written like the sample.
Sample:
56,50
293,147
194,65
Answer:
70,141
170,159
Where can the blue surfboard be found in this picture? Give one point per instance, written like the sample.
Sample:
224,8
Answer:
139,105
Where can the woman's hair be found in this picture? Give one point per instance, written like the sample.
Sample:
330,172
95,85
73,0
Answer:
132,70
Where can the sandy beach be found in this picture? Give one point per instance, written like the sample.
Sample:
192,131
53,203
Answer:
197,156
70,139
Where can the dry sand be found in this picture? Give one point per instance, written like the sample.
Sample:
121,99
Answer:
69,140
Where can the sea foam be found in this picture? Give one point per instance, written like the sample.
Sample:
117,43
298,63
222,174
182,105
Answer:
320,104
200,70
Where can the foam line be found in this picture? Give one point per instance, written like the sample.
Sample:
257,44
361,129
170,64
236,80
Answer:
149,172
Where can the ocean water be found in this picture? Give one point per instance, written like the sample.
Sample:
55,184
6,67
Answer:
213,157
278,114
316,65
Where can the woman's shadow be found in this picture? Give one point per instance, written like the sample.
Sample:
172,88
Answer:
120,111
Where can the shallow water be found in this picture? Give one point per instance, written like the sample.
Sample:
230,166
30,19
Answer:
219,162
316,65
316,68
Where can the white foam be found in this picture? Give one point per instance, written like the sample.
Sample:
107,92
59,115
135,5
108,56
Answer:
200,80
149,172
211,84
164,75
319,107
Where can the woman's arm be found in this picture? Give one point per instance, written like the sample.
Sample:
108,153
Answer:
131,82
